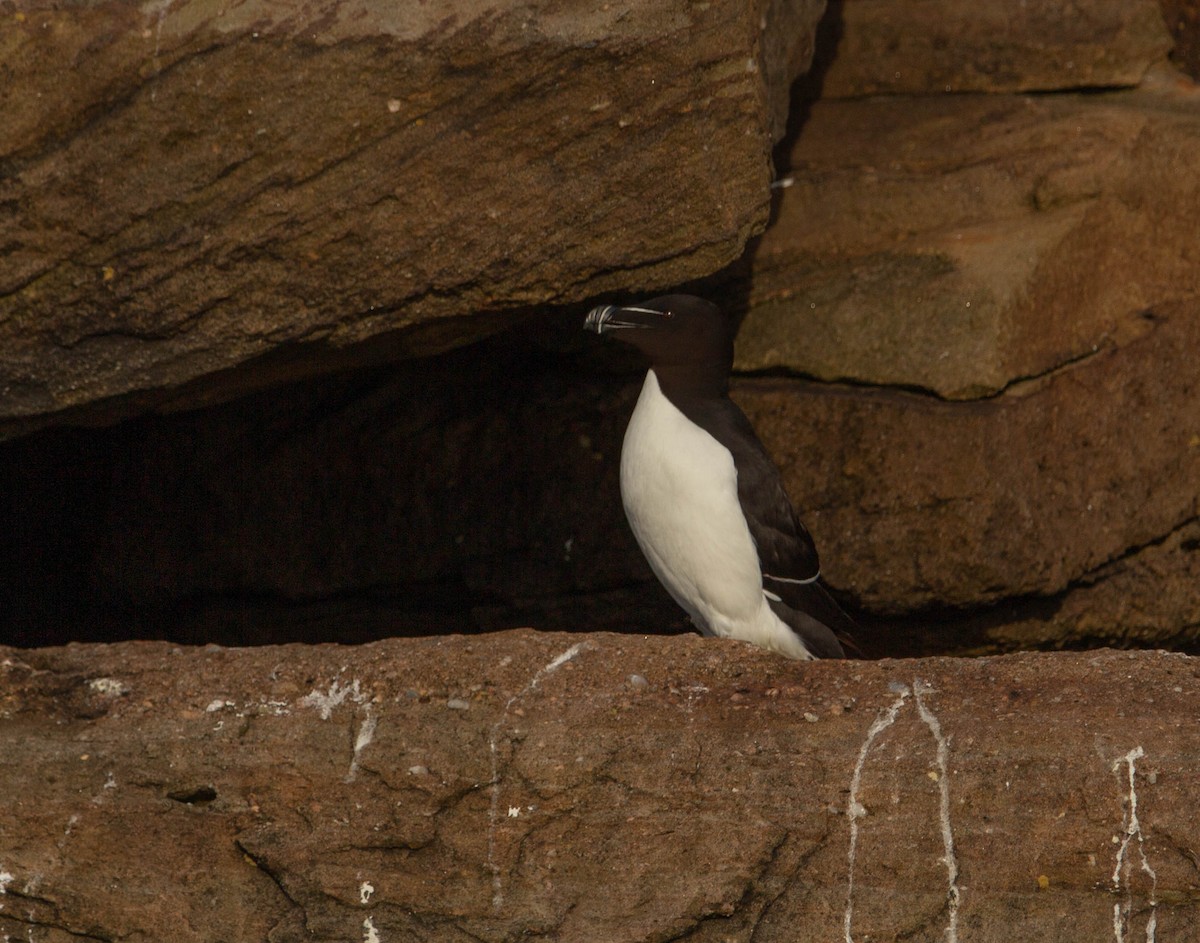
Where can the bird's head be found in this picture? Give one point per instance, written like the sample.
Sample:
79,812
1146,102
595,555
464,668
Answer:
673,331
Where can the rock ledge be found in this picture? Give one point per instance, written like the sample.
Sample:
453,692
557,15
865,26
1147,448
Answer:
582,787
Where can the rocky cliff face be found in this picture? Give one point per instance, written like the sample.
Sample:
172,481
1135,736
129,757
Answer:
189,188
968,338
558,787
290,351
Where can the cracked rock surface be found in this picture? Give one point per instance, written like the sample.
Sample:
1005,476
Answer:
186,189
963,243
583,787
1026,493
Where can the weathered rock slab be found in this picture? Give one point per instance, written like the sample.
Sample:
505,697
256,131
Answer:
962,243
1144,597
894,47
187,188
583,787
953,504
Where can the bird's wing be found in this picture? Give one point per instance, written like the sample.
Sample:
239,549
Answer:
788,557
785,548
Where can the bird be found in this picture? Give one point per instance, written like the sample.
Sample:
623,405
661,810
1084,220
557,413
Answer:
702,495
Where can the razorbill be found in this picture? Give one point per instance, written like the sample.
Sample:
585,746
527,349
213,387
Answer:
704,499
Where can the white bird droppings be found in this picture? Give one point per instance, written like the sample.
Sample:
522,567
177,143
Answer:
326,701
108,687
856,811
366,733
493,746
1131,832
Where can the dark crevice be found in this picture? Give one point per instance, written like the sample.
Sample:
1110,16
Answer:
1087,91
265,617
10,891
1068,363
197,795
1091,576
465,492
809,88
260,863
35,924
968,629
788,882
846,385
850,384
438,542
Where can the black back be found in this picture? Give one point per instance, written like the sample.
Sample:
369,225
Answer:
689,343
787,554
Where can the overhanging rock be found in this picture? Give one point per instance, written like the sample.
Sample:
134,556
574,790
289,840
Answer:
593,787
185,187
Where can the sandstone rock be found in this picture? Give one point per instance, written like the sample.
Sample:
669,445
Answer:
1039,254
187,189
592,787
920,502
1183,20
960,244
1145,597
477,489
889,47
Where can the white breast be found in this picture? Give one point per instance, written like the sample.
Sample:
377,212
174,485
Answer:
679,488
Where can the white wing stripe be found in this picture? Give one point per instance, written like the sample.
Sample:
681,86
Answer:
784,579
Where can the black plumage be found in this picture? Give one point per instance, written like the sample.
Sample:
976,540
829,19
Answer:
690,346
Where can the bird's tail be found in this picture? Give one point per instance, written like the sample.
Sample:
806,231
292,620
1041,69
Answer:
813,614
